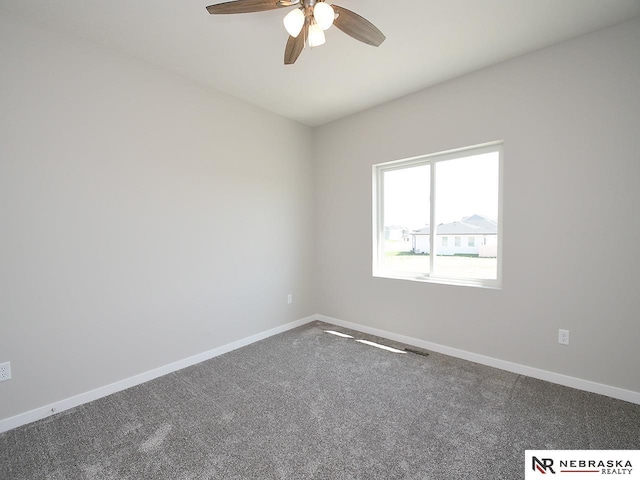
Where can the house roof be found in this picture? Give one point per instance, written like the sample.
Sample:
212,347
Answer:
472,225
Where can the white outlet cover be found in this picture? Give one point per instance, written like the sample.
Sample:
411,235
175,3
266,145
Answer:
563,337
5,371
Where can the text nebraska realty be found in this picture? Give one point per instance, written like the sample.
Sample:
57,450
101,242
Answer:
606,467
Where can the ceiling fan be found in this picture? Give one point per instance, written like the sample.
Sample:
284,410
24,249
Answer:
306,24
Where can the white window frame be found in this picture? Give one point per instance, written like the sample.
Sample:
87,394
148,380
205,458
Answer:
378,214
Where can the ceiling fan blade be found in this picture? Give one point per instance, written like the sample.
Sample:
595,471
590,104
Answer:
294,47
358,27
244,6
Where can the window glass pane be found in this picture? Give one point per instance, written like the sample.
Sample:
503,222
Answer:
467,204
406,211
464,228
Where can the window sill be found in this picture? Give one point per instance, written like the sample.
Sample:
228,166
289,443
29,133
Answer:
488,284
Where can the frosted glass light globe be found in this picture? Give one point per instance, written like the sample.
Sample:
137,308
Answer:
324,15
316,36
293,22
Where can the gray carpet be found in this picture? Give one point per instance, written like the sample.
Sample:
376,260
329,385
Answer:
309,405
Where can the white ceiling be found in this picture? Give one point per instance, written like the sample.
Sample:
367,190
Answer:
428,41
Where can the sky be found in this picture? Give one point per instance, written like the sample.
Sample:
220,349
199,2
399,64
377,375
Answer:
464,187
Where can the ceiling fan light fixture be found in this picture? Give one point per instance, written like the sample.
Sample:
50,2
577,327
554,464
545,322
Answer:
316,35
307,23
324,15
293,22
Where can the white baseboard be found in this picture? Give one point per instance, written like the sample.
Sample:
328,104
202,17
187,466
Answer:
65,404
578,383
62,405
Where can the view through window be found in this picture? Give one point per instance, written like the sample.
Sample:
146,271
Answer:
447,204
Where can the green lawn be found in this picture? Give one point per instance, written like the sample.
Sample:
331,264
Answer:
446,266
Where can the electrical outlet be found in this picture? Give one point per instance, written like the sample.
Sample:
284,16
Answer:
563,337
5,371
290,299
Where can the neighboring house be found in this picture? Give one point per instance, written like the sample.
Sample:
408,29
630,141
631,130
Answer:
474,235
395,232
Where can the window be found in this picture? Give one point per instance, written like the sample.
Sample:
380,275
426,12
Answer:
456,194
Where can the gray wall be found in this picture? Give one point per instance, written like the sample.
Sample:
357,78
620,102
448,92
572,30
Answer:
569,116
144,218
